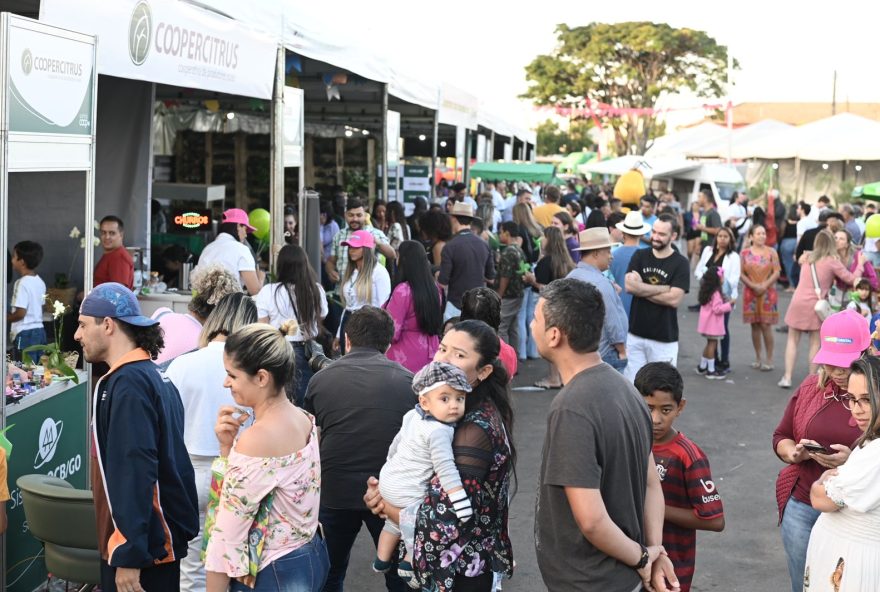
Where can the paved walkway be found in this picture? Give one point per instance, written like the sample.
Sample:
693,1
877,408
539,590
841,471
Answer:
731,420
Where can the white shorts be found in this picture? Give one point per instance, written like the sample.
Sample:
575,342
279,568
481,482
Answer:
640,351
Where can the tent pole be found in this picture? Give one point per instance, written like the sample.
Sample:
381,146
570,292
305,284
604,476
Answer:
276,180
434,141
465,171
385,142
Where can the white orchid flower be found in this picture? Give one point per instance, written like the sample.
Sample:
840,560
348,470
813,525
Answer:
58,309
96,241
74,232
82,243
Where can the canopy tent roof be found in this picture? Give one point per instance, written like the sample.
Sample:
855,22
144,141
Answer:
650,166
680,168
841,137
571,161
869,191
678,143
718,147
309,30
514,171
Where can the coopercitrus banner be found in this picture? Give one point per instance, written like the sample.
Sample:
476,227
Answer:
171,42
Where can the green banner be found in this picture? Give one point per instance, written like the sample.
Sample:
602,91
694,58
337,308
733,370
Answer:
49,438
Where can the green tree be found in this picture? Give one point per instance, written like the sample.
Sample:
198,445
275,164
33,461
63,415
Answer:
554,140
626,65
550,138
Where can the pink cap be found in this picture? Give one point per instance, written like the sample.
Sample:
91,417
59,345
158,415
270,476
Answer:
843,338
237,216
360,238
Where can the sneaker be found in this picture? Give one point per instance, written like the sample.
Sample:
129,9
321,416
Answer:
701,370
715,375
784,383
380,566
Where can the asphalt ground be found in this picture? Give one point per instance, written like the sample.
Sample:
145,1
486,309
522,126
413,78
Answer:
731,420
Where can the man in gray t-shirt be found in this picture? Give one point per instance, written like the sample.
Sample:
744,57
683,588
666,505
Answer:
599,512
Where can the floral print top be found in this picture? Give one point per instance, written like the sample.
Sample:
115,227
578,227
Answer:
293,519
445,547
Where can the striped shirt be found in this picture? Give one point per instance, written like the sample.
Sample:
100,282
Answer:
687,483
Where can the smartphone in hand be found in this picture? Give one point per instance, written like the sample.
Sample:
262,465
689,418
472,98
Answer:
818,448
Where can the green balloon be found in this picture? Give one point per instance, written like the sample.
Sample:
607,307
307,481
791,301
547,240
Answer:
872,226
259,219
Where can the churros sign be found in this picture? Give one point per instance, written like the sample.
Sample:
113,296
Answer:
191,220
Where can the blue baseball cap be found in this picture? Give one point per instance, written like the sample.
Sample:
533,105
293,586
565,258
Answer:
117,302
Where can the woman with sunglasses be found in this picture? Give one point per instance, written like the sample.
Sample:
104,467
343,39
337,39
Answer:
816,433
843,555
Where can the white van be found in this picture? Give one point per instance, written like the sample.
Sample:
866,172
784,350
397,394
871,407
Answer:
720,180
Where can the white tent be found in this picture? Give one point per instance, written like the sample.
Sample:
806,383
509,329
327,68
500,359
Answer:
679,143
718,147
837,138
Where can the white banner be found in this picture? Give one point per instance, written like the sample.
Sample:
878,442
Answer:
392,139
294,138
171,42
50,79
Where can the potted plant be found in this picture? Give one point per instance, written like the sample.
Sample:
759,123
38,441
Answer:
54,359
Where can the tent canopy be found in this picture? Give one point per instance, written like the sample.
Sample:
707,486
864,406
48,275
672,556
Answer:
571,161
514,171
677,144
718,146
650,166
841,137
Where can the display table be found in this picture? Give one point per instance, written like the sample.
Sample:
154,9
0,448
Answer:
176,301
49,435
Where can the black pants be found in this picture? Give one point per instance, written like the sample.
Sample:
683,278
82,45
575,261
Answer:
482,583
159,578
341,528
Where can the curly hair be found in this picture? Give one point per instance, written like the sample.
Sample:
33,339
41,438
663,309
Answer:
151,339
210,283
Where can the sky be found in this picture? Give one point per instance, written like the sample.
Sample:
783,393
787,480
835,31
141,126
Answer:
787,51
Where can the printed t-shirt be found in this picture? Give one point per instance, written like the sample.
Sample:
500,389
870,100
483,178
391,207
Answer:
687,483
648,319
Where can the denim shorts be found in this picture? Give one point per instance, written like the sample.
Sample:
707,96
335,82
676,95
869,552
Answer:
302,570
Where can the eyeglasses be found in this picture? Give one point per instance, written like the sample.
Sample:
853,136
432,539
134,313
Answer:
849,401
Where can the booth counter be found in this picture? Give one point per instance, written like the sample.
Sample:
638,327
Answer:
176,301
48,429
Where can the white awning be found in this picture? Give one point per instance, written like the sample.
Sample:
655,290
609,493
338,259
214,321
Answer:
842,137
171,42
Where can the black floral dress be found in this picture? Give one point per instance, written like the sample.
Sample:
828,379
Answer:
444,547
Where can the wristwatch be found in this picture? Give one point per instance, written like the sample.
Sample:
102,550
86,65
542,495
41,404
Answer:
643,560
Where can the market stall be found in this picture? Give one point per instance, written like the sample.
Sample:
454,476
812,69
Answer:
47,110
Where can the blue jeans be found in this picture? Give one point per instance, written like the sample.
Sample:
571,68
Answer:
526,346
786,255
797,522
302,374
612,360
28,338
301,570
341,528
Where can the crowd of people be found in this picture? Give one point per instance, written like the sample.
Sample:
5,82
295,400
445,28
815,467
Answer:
376,391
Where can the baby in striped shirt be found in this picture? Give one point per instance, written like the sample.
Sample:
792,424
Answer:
421,448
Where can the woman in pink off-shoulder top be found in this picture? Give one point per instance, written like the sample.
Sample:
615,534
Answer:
273,464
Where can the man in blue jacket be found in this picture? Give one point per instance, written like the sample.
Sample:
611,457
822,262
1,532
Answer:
143,481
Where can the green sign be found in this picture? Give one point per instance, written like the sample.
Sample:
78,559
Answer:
49,438
416,182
